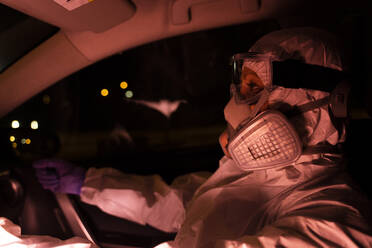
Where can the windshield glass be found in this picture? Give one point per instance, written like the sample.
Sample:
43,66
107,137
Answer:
162,101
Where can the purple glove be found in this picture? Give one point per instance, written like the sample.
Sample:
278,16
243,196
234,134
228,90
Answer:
59,176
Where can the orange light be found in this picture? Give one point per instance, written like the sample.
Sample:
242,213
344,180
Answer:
123,85
28,141
104,92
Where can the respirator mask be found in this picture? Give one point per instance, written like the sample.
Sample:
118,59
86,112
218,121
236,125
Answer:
257,140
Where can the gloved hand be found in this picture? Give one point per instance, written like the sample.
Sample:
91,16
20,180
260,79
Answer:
59,176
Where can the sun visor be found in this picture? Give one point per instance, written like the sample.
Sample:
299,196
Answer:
77,15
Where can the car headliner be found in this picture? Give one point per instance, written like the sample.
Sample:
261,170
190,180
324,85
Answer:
86,38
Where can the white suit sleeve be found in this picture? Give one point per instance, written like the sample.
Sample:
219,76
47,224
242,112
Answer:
308,231
10,236
301,231
141,199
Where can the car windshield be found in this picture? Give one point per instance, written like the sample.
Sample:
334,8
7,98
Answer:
162,102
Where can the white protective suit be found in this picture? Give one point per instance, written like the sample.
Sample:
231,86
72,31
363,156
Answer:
306,204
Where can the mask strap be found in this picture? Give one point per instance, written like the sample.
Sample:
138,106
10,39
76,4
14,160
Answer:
308,106
337,101
322,148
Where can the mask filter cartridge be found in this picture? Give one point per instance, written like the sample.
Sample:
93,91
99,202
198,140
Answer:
266,141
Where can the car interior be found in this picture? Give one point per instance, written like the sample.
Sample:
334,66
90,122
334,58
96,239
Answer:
140,86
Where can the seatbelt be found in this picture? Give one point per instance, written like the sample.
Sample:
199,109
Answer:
338,103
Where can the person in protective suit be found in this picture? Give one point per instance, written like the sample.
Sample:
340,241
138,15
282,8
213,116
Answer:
281,184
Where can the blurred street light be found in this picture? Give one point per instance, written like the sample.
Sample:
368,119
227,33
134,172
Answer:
34,125
15,124
123,85
104,92
129,94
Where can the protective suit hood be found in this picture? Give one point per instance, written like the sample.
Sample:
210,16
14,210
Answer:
310,45
314,124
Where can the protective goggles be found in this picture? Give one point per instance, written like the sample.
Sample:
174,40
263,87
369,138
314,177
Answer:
243,66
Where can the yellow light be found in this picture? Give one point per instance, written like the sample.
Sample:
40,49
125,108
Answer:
104,92
12,138
123,85
15,124
34,125
28,141
14,145
129,94
46,99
